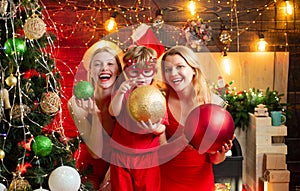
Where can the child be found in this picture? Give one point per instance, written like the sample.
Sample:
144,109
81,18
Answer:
134,160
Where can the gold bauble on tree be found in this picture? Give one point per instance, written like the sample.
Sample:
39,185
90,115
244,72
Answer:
2,154
19,184
11,80
146,102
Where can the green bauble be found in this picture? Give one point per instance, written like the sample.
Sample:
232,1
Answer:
83,90
15,45
41,146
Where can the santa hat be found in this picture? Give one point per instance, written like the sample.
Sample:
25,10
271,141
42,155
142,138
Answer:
143,35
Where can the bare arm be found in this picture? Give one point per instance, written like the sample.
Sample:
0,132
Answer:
116,102
80,111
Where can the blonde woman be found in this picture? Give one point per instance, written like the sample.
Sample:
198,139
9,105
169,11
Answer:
102,68
186,89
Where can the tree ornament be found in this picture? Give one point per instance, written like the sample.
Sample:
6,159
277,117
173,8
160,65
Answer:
11,80
20,33
261,111
2,187
64,178
83,90
158,21
50,103
209,127
34,28
225,37
19,184
3,7
18,109
41,146
4,96
15,45
146,102
2,154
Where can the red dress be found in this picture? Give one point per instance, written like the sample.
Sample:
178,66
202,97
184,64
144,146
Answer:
188,170
134,160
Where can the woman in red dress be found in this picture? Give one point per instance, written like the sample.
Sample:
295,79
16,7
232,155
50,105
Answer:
102,67
184,168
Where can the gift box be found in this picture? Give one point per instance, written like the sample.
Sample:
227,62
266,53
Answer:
277,175
264,185
274,161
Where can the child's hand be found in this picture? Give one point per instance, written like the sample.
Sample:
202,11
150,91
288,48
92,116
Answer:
87,105
126,86
150,127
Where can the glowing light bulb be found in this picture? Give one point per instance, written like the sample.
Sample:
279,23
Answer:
288,8
226,64
111,24
192,7
262,44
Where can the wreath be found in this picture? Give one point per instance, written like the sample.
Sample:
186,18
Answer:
197,33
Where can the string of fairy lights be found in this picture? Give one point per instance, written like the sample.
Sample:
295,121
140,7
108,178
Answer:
94,15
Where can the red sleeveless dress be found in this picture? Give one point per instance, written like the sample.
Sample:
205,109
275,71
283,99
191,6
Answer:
188,170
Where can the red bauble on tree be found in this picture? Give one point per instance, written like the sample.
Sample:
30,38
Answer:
208,127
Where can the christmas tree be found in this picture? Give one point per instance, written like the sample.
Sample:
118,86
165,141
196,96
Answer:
34,151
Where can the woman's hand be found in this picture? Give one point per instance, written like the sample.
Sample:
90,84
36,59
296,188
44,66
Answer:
219,156
88,105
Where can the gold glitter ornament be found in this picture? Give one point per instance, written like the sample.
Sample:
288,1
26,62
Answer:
146,102
11,80
50,103
34,28
2,154
19,184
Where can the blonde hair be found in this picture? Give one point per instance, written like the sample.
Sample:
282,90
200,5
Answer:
199,81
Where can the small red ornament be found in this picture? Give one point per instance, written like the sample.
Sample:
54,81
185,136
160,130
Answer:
208,127
20,33
31,73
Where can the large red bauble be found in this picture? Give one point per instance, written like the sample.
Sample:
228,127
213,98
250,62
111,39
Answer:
208,127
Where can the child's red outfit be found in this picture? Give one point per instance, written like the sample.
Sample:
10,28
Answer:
134,159
188,170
